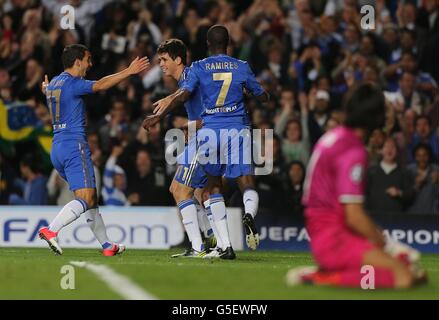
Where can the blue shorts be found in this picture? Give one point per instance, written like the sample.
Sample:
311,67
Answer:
226,151
189,172
72,160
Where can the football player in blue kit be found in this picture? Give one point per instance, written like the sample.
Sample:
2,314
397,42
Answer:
70,154
221,80
189,176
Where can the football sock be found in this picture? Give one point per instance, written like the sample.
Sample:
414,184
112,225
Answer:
219,214
203,221
97,226
69,213
190,222
219,242
251,201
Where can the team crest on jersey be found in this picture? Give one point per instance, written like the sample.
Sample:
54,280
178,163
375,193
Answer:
357,173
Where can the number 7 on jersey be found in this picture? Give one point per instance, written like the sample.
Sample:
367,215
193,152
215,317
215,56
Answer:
227,78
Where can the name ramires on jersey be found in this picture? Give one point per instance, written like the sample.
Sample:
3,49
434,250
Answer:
220,65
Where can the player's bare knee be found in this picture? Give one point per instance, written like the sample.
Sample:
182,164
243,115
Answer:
182,193
174,192
201,194
173,187
214,189
246,182
214,185
91,200
89,196
205,195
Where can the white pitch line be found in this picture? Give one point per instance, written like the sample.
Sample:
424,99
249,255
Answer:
117,282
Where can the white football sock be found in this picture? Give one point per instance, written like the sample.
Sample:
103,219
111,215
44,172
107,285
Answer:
219,214
69,213
219,242
97,226
190,223
251,201
203,221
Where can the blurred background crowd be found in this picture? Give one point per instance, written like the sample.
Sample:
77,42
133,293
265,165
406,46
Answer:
307,54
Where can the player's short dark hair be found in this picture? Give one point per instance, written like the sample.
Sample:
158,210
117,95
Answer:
174,48
71,53
218,37
365,107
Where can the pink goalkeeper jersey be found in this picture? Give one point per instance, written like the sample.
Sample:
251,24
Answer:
335,174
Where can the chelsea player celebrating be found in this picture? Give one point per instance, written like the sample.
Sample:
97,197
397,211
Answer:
189,175
221,80
70,153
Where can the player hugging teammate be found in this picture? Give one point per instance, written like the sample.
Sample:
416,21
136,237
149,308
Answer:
219,80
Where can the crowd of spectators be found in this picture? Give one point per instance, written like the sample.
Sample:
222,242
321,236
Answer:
306,54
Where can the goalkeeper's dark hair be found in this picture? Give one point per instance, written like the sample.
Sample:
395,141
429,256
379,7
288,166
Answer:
365,107
71,53
174,48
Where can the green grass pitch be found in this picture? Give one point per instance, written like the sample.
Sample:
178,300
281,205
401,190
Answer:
35,274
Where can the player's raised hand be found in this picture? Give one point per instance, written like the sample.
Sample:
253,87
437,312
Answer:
138,65
44,84
150,121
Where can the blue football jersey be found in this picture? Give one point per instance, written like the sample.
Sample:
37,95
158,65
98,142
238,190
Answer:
194,106
66,106
221,80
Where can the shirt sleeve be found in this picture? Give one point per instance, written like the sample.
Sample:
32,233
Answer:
192,80
251,83
82,87
350,176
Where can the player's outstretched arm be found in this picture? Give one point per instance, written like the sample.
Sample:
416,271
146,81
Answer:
165,105
358,220
137,66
